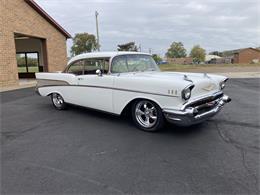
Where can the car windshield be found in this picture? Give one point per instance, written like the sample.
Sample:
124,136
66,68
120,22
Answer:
133,63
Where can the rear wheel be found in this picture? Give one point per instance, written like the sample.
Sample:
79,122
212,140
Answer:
58,101
147,115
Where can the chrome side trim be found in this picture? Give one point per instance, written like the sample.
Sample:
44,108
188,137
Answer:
47,82
112,88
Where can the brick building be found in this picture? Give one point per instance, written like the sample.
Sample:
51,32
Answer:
247,55
30,41
243,56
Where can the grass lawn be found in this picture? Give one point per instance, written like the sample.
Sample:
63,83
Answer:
30,69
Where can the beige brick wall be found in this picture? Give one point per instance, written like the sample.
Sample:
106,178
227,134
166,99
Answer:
16,16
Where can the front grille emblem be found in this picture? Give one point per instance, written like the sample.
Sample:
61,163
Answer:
209,87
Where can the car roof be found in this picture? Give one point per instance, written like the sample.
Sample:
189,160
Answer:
102,55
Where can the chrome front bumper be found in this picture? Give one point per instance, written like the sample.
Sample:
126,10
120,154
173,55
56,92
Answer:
197,111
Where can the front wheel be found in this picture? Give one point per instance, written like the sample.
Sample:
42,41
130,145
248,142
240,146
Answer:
58,101
147,115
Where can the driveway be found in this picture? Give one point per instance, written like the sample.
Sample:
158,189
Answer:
82,151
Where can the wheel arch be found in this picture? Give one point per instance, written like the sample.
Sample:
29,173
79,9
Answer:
128,105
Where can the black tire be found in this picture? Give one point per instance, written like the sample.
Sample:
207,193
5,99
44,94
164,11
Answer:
147,118
58,101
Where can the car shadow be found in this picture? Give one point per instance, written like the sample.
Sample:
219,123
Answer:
126,121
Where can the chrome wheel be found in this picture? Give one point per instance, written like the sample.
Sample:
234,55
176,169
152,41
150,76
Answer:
57,100
146,113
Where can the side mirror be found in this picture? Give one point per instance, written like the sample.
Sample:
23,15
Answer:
99,72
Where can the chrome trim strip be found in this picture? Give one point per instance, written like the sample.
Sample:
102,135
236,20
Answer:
112,88
191,116
186,104
46,82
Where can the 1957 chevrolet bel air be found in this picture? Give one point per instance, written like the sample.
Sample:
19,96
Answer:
115,82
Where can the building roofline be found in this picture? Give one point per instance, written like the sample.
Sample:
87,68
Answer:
241,49
252,49
46,16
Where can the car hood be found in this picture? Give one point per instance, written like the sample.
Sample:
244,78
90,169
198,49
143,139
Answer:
203,83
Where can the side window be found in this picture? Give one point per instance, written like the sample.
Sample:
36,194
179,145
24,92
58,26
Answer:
91,65
76,68
119,64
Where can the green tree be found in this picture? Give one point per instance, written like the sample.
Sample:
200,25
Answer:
176,50
198,54
82,43
127,47
156,58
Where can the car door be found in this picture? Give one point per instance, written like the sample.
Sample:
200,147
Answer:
96,90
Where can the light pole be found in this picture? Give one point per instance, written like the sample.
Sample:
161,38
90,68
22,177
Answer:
96,14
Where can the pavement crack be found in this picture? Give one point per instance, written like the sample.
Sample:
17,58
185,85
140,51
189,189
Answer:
238,145
242,150
60,171
243,124
10,135
14,134
243,153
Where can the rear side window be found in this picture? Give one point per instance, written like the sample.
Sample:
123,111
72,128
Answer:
76,68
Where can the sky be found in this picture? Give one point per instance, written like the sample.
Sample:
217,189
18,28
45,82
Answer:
215,25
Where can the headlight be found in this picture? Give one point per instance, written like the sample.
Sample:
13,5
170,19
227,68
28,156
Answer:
186,93
222,84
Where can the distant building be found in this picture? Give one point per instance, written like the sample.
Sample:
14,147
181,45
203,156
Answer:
244,55
224,60
211,59
186,60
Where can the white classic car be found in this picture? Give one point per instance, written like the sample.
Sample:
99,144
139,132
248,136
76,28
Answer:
115,82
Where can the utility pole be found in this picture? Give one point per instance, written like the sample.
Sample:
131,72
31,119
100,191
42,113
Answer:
96,14
140,47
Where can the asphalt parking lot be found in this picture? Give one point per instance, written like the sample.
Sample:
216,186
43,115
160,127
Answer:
81,151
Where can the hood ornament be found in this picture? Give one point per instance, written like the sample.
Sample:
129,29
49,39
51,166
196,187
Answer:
185,77
206,75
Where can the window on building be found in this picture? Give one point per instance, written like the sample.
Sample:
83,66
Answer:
27,62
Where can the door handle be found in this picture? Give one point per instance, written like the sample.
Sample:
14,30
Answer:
80,78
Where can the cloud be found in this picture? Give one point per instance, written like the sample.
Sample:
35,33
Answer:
215,24
196,6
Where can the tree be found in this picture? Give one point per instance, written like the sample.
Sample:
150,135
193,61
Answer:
127,47
157,58
176,50
82,43
198,54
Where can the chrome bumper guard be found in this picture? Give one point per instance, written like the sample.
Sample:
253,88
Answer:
198,113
